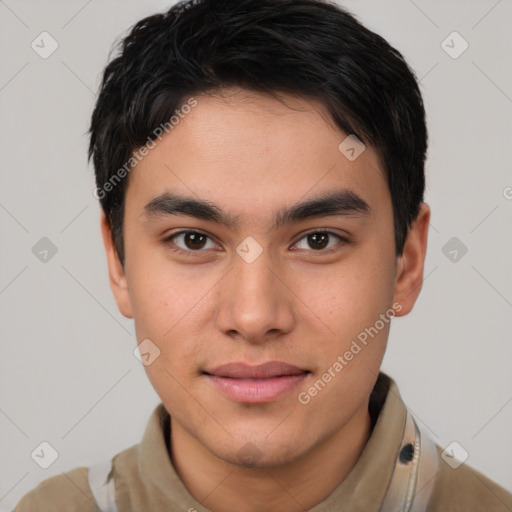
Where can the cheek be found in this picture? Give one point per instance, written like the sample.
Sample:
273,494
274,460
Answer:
170,309
152,314
161,295
347,304
348,297
170,323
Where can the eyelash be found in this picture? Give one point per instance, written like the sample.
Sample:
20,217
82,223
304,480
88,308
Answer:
189,253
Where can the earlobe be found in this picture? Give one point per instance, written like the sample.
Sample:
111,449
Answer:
116,272
410,264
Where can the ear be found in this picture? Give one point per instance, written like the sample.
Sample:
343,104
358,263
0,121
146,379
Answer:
409,277
118,281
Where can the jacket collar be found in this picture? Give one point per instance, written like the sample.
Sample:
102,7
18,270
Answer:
363,490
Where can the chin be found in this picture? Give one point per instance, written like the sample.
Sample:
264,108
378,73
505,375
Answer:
260,455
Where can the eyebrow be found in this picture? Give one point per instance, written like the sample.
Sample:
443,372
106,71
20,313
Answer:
338,203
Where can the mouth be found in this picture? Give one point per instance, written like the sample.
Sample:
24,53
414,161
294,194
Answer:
243,383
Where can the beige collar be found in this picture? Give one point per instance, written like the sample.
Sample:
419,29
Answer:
388,475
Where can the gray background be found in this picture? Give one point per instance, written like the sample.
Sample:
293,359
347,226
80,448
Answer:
68,374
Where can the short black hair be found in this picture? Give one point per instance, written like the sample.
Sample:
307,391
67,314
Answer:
312,49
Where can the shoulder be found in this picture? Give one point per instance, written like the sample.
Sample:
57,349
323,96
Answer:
466,490
67,492
70,491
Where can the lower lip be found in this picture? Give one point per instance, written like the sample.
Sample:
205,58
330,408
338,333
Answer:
256,391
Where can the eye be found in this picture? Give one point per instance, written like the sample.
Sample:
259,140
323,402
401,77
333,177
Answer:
191,241
319,240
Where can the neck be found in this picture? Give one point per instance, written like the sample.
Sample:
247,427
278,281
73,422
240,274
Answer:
298,485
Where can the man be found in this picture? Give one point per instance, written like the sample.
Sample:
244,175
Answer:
260,166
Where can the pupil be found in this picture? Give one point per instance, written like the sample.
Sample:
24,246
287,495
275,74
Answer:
194,240
318,240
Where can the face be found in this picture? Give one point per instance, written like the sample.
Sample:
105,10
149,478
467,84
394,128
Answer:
250,238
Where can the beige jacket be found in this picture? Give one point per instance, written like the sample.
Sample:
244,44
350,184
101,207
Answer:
145,480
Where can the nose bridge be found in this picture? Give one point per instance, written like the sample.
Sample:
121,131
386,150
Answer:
253,299
255,278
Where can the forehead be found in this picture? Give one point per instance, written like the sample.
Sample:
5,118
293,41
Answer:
252,151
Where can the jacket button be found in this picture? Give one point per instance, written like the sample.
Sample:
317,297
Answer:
406,453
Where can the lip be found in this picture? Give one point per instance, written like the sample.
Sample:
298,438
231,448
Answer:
266,382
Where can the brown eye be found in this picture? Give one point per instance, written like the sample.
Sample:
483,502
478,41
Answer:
319,240
194,240
191,241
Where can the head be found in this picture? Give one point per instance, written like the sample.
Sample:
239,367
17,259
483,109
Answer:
260,167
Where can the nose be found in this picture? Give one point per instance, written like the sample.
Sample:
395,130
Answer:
256,304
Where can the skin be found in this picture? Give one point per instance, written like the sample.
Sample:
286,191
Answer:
251,156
